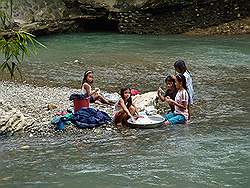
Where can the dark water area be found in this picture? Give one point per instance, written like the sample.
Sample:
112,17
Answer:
213,151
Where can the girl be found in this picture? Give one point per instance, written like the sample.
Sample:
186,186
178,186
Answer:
180,67
87,82
124,108
171,91
180,114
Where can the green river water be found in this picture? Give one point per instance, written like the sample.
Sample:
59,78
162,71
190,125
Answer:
213,151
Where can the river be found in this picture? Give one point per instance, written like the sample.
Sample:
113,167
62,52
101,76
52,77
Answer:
213,151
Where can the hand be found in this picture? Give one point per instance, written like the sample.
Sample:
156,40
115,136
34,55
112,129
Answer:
132,119
160,90
169,101
137,116
97,90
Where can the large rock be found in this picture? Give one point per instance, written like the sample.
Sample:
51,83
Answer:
12,120
144,100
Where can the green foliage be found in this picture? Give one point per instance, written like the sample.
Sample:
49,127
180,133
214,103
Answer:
15,48
5,19
14,45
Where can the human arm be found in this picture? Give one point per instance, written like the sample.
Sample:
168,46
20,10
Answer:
135,110
181,104
159,93
89,90
96,90
125,109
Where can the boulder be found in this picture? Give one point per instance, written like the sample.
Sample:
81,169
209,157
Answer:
12,120
144,100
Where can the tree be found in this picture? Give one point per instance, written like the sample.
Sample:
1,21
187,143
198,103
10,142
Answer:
15,48
14,45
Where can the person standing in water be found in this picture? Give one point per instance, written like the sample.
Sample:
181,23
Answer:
171,91
180,67
124,109
94,95
180,115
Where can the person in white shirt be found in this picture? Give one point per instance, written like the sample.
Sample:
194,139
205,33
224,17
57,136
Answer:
124,108
180,115
88,80
180,67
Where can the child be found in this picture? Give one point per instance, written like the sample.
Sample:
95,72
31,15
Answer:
180,115
87,88
171,91
180,67
124,108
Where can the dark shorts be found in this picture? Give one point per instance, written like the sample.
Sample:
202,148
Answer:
91,99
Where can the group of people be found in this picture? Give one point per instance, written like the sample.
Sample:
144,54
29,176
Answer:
179,96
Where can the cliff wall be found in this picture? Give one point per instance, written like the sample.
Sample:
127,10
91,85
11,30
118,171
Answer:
127,16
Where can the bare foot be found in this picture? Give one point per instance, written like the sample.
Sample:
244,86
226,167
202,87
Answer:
118,125
98,102
166,123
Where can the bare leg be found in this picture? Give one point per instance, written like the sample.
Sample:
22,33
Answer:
122,116
102,99
132,110
119,117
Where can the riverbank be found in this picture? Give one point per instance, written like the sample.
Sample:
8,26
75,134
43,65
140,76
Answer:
238,27
41,105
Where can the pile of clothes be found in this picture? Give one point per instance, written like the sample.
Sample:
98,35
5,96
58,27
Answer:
84,118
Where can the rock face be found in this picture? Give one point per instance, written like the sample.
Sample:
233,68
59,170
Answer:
124,16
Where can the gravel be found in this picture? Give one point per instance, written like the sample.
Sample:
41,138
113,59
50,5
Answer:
35,102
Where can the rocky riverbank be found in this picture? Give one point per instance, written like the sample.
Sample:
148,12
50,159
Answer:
38,105
238,27
29,109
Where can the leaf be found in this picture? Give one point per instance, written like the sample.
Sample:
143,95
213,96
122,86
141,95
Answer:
16,48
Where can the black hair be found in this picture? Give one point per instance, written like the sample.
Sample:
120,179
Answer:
181,78
169,79
180,65
86,75
129,101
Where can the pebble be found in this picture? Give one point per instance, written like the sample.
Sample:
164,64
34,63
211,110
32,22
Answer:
31,100
24,147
